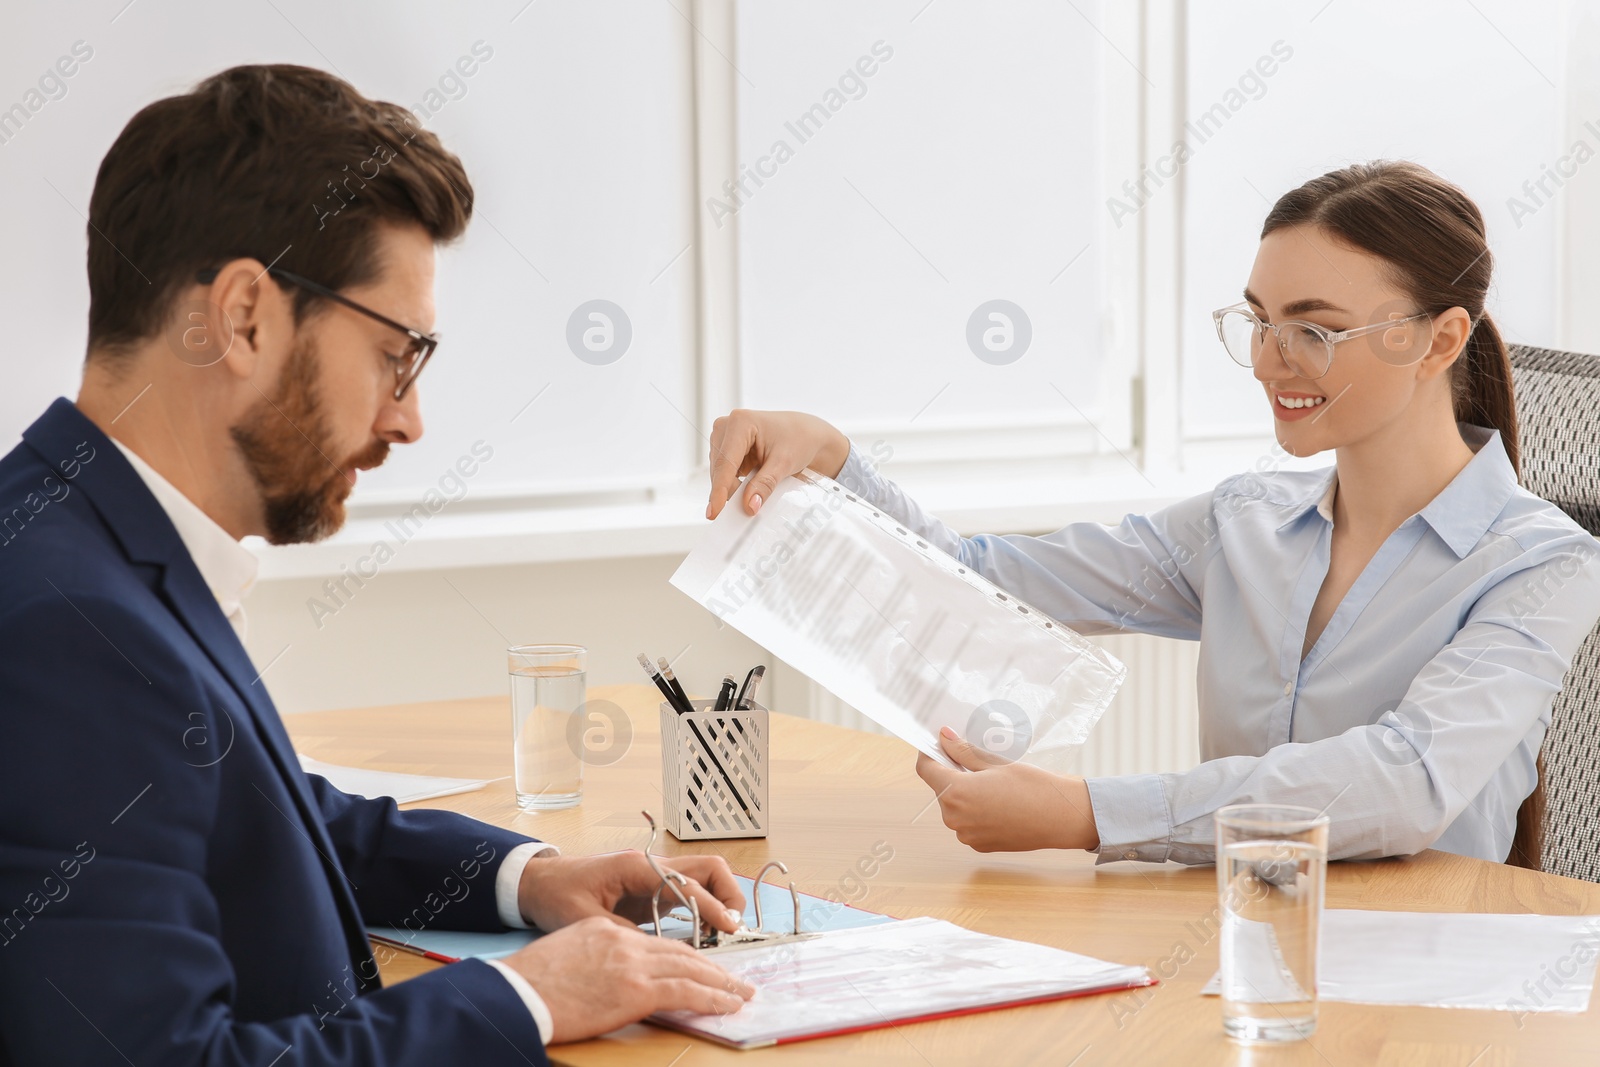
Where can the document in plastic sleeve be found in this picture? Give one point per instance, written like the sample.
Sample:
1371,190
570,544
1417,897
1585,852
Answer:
894,627
907,971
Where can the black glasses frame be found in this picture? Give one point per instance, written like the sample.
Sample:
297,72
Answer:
417,353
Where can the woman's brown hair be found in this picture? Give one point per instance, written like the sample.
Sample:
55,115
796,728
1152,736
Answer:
1431,236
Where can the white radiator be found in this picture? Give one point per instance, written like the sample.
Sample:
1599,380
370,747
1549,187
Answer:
1152,724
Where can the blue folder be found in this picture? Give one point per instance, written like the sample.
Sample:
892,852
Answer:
777,911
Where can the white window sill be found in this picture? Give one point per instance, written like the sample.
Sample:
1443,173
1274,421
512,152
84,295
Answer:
1031,496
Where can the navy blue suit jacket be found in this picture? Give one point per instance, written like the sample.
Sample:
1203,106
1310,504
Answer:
173,888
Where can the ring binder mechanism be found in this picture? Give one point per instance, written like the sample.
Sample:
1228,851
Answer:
714,771
707,938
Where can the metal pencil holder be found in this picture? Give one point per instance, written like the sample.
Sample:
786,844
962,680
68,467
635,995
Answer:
714,771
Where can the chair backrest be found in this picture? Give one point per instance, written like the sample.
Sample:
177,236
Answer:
1558,422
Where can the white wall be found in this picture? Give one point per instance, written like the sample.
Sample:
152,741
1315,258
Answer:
435,634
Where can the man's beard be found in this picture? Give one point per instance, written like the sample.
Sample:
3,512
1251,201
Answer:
286,444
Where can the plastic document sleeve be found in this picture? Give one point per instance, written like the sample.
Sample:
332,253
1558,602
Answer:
894,627
912,970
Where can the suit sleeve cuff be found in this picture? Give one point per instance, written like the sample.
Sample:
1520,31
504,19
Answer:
1132,817
509,877
530,996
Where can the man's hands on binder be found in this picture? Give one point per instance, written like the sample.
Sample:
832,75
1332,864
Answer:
996,806
597,971
773,444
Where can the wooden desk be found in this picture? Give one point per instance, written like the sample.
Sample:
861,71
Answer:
837,793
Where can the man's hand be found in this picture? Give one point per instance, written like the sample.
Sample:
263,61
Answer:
558,890
774,444
595,976
995,806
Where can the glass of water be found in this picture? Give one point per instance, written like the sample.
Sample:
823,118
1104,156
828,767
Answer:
548,686
1272,864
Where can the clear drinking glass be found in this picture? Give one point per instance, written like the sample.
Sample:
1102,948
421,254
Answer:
1272,863
548,686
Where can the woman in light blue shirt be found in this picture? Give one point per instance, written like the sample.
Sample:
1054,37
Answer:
1381,639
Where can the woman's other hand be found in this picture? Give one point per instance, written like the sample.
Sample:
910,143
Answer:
996,806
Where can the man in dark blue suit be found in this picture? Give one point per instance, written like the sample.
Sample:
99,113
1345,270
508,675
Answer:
173,889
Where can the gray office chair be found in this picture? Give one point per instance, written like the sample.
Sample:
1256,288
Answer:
1558,420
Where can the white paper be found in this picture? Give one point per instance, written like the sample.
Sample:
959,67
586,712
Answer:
896,628
1517,963
404,788
1262,974
876,975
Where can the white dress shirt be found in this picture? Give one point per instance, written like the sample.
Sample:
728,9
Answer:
229,571
226,566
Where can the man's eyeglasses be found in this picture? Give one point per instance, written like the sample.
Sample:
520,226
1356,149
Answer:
408,365
1307,348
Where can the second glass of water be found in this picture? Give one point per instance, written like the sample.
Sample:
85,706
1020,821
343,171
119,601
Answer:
1272,862
548,688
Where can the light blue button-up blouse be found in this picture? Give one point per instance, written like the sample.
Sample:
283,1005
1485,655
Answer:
1416,717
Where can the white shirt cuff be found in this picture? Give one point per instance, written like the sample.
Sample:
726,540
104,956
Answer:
509,877
530,996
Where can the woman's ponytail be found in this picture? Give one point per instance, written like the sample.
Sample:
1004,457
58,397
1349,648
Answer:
1481,387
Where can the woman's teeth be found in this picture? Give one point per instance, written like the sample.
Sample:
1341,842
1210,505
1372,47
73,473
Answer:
1301,402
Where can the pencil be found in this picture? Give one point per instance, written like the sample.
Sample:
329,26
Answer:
672,680
389,942
661,683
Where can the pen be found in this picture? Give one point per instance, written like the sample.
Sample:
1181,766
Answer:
747,692
725,694
661,684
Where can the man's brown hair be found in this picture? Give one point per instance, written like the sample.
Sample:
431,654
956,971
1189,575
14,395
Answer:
286,164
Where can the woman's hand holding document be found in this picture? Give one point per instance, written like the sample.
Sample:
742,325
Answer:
897,628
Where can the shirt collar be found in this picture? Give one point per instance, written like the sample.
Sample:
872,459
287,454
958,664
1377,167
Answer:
227,567
1468,506
1319,497
1325,504
1463,511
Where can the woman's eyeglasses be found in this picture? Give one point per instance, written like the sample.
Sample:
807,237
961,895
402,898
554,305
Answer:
408,365
1307,348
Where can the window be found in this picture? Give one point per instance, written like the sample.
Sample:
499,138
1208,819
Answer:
919,214
1482,106
960,228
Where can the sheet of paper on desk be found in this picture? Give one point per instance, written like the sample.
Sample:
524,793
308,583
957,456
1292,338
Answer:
891,973
404,788
896,628
1517,963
